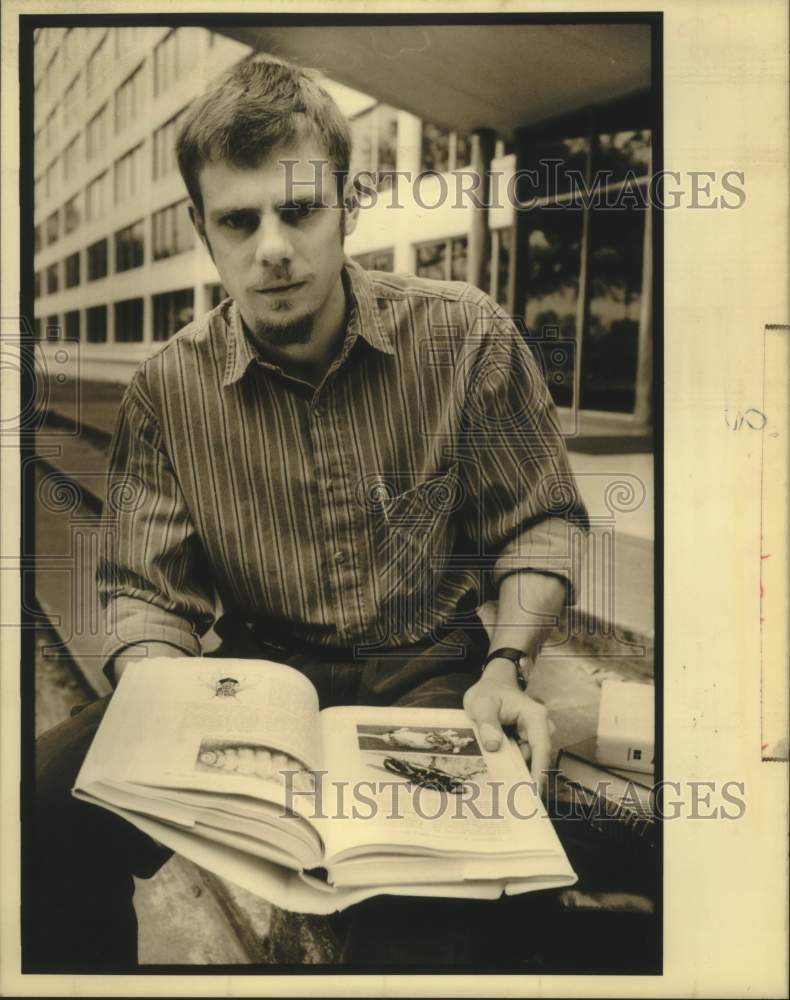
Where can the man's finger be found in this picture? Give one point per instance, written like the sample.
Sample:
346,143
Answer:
533,726
483,710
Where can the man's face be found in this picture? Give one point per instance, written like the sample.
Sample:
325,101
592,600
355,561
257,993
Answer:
276,236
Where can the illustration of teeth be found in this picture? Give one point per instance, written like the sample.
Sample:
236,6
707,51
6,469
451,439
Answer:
254,761
246,763
303,781
263,764
280,761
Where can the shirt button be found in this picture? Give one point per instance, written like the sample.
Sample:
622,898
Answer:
340,557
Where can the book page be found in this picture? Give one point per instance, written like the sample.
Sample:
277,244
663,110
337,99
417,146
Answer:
416,780
283,887
226,726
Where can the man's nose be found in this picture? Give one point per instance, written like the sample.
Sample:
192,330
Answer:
274,247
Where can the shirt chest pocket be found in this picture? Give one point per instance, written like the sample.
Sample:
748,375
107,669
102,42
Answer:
415,530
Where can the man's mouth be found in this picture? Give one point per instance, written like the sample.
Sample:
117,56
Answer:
281,289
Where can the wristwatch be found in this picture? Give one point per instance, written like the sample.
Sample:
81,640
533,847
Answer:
515,656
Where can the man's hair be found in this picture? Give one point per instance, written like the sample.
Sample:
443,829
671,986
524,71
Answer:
253,109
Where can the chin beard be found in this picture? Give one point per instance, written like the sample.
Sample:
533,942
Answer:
297,331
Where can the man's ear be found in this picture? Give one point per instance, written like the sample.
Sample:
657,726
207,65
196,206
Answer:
197,221
351,208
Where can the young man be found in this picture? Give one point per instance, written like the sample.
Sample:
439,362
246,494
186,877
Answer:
349,463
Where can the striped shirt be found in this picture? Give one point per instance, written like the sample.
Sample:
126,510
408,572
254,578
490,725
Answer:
362,512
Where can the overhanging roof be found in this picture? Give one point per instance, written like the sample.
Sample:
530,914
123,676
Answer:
499,76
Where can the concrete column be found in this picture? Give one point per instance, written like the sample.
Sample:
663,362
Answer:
202,304
148,318
408,160
111,322
583,300
517,278
409,156
479,239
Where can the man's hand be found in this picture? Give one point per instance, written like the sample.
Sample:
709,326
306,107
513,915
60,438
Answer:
495,701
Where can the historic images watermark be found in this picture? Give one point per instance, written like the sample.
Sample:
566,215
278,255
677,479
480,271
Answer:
429,793
548,185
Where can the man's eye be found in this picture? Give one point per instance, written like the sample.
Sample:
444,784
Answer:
297,211
240,220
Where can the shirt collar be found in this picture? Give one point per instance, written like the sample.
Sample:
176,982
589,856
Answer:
363,320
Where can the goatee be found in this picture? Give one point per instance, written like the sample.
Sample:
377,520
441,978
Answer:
298,331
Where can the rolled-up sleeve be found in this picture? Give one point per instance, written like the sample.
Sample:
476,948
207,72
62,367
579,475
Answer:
152,578
524,506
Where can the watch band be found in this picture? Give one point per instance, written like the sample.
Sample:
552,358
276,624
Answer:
515,656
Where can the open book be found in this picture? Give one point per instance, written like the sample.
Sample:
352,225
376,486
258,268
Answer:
231,764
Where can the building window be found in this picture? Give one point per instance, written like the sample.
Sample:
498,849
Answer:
97,260
53,228
51,129
71,215
164,146
70,100
37,239
608,340
53,327
128,39
72,322
50,178
96,327
172,311
374,146
72,270
173,232
444,150
53,279
37,285
216,294
71,159
377,260
501,244
96,198
129,100
96,134
129,321
129,174
67,48
96,66
168,62
130,247
37,327
444,260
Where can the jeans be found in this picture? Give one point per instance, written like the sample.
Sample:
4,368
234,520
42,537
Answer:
79,915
